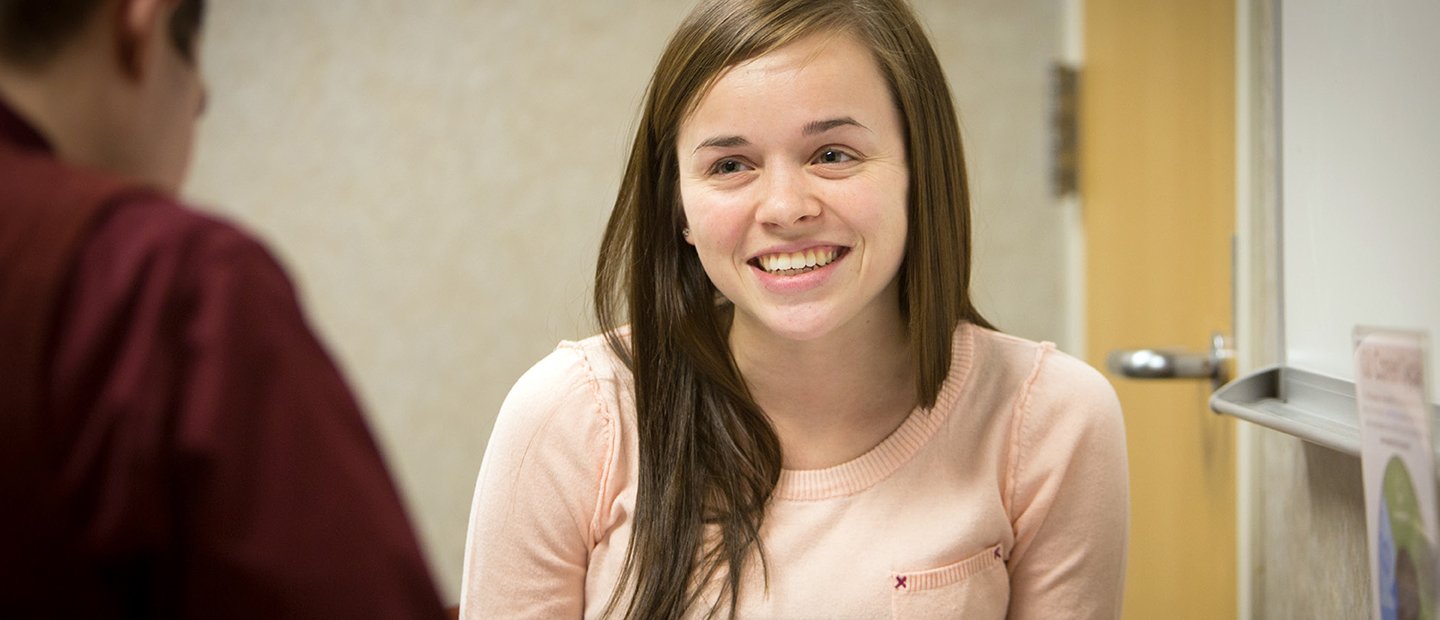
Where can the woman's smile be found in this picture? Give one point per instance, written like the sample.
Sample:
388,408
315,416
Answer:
796,263
798,272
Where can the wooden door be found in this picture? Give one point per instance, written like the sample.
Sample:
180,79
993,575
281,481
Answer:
1157,185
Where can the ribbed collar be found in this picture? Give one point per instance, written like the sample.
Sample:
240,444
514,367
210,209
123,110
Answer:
866,470
18,132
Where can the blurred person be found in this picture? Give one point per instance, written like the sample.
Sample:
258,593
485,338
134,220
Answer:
795,411
175,440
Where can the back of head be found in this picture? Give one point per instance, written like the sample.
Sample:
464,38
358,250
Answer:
33,31
110,84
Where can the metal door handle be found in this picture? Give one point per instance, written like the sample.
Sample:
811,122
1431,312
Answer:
1172,363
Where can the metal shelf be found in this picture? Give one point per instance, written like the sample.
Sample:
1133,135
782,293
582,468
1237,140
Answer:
1316,408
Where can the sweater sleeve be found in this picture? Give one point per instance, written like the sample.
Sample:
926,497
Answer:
532,523
1069,498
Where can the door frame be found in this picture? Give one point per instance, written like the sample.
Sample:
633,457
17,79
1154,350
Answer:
1258,321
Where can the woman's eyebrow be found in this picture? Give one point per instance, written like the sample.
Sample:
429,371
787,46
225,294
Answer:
819,127
811,128
723,142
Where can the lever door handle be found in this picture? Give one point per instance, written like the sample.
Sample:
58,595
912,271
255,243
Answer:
1173,363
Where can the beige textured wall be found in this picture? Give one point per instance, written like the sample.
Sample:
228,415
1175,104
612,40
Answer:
436,174
997,56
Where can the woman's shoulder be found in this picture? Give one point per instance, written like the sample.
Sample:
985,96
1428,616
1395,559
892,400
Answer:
596,355
1039,366
1047,392
577,375
1058,401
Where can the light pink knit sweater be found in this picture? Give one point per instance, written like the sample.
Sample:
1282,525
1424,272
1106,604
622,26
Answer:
1009,498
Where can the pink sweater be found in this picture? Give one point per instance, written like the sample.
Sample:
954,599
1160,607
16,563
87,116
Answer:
1008,498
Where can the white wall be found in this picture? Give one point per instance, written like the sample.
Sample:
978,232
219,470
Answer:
1361,194
1302,509
436,175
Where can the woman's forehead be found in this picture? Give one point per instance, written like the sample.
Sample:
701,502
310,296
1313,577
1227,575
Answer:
829,74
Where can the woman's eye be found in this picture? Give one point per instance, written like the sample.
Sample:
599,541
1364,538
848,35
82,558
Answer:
728,166
833,156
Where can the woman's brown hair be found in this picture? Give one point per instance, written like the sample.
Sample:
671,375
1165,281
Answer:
709,458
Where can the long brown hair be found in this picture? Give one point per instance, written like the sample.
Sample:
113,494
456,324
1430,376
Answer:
709,458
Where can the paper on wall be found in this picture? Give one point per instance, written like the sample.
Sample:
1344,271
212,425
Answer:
1397,460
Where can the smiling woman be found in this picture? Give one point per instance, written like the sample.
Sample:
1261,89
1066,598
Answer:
804,415
791,171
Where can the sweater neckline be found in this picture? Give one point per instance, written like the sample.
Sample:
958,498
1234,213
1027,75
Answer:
876,464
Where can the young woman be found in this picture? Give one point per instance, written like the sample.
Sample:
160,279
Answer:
805,417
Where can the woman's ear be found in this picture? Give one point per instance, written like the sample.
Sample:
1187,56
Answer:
139,31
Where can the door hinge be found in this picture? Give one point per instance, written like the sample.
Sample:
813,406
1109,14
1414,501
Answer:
1064,129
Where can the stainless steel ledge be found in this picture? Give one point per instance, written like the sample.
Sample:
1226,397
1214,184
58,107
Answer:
1316,408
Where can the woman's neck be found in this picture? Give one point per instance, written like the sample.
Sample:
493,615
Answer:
834,398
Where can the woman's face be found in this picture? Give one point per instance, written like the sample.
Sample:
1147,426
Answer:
794,184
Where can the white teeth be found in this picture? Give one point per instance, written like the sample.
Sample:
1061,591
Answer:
797,260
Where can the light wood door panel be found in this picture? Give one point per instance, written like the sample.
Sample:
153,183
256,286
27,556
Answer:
1157,185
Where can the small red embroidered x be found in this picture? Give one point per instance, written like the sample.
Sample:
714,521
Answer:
900,582
997,553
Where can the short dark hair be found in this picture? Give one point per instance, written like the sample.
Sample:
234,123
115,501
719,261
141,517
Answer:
33,31
185,26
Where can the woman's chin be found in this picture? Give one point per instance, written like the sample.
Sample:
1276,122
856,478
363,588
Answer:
791,328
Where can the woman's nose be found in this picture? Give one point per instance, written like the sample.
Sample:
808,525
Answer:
787,199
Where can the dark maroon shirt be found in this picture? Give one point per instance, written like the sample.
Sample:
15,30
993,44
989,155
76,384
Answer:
191,450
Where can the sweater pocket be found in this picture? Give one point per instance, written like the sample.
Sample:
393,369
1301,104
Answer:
975,587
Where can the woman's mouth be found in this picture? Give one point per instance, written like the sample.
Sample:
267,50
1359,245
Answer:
796,263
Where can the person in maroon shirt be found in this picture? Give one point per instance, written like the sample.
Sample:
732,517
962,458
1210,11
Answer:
174,440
